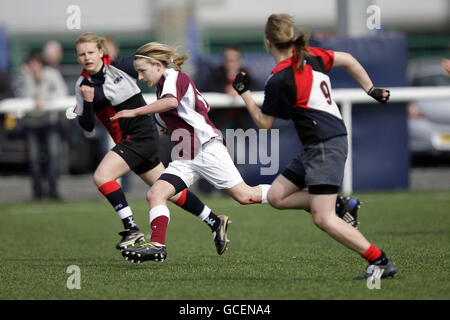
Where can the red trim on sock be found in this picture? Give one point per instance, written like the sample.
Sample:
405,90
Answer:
372,254
159,228
182,199
109,187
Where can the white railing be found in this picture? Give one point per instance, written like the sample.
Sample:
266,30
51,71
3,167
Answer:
345,97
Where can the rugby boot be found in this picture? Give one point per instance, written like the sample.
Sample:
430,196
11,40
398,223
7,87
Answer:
145,252
129,238
220,234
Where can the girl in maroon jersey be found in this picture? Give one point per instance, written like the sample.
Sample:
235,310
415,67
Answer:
104,88
299,89
200,151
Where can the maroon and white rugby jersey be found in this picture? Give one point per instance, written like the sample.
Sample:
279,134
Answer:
191,114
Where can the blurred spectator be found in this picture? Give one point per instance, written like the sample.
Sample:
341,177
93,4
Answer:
5,85
446,65
112,47
221,79
42,84
9,121
223,76
53,54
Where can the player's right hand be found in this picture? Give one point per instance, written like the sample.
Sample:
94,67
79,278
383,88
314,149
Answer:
87,93
241,83
126,113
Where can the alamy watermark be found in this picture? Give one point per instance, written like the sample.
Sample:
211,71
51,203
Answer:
73,22
258,148
74,280
373,21
262,146
374,281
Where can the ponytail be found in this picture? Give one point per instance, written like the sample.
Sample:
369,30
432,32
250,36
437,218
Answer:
178,61
300,44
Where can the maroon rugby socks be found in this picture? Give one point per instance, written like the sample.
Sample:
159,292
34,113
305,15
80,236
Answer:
159,220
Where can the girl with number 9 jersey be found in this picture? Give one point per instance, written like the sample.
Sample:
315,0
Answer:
299,89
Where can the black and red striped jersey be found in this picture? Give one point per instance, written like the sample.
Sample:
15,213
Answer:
304,96
115,89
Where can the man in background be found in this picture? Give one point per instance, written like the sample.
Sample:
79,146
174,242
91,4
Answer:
42,84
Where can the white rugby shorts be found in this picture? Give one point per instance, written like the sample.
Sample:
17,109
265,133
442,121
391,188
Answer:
212,162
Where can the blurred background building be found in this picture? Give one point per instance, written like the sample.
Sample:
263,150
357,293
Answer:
205,27
394,39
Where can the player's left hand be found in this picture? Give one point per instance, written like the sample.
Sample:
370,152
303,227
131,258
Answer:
381,95
127,113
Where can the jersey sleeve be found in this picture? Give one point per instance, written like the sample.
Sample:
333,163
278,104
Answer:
271,105
326,55
175,84
170,86
126,65
84,110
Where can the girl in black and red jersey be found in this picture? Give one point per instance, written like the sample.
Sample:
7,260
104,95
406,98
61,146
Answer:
104,88
299,89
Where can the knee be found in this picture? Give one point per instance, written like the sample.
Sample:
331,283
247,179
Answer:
274,200
99,178
153,196
321,221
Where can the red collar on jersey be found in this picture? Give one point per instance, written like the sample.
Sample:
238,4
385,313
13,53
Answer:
286,62
106,60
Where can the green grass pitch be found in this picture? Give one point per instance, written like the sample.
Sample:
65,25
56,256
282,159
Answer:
273,255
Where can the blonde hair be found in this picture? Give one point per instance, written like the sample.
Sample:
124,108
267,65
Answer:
281,32
91,37
158,52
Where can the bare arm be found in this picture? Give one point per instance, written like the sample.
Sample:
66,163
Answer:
262,120
161,105
354,68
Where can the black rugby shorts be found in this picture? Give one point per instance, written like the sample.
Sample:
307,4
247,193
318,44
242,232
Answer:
142,155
